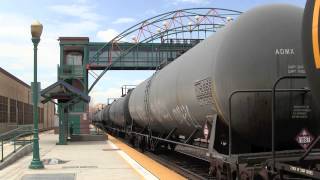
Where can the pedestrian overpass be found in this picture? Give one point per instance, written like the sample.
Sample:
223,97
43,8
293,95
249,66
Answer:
148,45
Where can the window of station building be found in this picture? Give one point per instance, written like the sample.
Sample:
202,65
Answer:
3,109
20,112
74,58
13,111
28,114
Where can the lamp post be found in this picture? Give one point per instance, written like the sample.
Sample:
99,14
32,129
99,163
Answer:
36,163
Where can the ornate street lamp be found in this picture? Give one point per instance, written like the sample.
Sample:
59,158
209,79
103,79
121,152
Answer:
36,163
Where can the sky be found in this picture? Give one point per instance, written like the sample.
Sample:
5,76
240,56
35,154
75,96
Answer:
100,20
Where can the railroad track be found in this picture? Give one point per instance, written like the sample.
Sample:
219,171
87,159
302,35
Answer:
190,163
188,166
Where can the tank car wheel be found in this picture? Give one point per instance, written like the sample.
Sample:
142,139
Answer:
277,177
262,175
141,144
123,135
244,176
132,140
273,176
259,177
153,148
220,175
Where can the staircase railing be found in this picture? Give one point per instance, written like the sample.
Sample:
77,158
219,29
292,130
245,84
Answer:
15,139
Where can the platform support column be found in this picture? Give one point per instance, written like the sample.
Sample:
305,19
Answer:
62,138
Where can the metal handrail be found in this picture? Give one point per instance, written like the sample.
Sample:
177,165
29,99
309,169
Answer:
10,133
252,91
15,136
273,112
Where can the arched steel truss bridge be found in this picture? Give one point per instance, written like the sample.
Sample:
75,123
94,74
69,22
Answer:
157,40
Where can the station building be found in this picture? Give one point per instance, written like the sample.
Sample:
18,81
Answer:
16,105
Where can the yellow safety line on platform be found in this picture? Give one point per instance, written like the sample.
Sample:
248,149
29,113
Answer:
151,165
143,173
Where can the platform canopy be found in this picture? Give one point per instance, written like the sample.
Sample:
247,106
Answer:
64,92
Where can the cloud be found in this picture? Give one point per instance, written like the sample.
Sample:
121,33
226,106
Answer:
83,11
126,81
124,20
11,50
196,2
13,26
106,35
102,96
113,93
16,49
45,82
17,66
81,1
76,28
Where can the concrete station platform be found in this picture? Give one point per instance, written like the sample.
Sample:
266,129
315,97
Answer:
96,160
